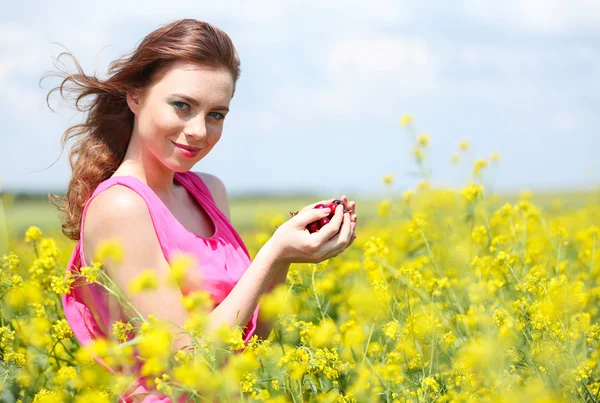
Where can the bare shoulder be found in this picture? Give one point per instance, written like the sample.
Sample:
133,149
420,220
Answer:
115,203
217,190
118,212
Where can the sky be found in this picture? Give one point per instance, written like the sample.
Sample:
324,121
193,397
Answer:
324,85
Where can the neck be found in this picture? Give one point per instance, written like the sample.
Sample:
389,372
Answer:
145,167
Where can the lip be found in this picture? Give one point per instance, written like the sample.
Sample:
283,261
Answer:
189,148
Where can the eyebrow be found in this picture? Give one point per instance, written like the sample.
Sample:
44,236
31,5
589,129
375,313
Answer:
196,103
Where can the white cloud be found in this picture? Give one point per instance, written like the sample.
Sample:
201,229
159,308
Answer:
568,121
367,71
370,57
537,16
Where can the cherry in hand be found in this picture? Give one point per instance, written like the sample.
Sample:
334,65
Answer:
317,225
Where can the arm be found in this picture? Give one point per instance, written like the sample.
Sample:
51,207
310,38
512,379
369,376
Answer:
219,194
120,213
264,326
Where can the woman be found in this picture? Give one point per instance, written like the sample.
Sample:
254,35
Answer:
159,112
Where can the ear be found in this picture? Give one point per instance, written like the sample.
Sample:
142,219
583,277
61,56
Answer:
133,101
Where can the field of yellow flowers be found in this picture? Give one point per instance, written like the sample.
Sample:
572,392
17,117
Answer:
450,295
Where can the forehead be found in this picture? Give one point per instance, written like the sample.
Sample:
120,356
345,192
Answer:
195,80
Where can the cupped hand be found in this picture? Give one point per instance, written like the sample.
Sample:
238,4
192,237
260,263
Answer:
295,244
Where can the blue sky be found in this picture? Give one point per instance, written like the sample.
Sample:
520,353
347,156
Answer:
324,85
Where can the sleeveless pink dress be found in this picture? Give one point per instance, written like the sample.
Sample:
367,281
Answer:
223,259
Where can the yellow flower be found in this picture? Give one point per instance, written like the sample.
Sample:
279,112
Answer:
91,273
455,159
526,194
352,333
109,249
418,153
234,338
463,145
472,191
9,263
391,329
262,237
47,396
495,157
277,220
324,334
163,385
145,281
406,120
448,339
62,285
122,331
479,234
66,374
388,179
154,366
155,341
198,300
196,323
179,265
431,383
33,234
383,209
61,330
479,165
272,302
16,358
423,185
423,140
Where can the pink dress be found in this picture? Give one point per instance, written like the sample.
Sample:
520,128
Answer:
223,259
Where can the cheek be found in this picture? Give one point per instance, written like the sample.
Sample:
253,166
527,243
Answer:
161,122
216,135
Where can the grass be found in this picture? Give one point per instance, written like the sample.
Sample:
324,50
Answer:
18,212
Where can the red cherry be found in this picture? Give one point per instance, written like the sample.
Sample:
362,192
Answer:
320,205
332,207
323,221
337,201
313,227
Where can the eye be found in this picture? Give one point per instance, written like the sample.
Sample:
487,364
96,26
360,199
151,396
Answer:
219,114
180,105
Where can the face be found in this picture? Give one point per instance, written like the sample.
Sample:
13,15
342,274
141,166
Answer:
179,118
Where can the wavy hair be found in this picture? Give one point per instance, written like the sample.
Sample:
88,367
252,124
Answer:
103,137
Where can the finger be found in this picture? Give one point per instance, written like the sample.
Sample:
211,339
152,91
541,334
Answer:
352,206
330,229
338,242
350,233
351,241
311,206
353,235
353,217
305,217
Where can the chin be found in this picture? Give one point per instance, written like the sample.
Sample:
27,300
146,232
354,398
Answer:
177,166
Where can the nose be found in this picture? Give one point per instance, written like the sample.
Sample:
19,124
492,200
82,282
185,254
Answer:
197,132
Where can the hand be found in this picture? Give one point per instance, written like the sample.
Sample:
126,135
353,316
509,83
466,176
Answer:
350,206
294,244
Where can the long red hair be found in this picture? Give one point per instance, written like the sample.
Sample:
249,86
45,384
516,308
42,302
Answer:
103,137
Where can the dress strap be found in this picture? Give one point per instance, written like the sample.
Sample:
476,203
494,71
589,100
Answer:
201,192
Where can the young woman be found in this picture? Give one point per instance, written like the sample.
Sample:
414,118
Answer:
159,112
